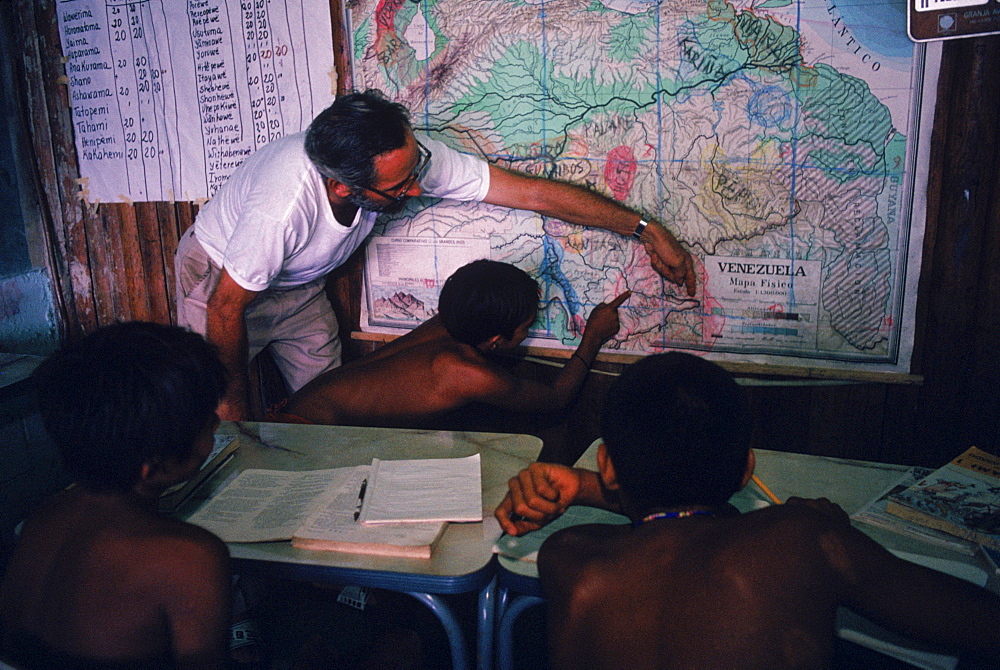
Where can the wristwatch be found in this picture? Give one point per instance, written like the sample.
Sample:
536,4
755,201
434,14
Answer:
637,233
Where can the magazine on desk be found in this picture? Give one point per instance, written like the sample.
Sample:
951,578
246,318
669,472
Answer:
962,498
874,514
322,509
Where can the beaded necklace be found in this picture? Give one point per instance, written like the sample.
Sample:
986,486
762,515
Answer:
672,515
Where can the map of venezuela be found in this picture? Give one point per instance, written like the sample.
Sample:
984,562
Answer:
781,142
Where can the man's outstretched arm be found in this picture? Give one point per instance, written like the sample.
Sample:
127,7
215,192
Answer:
581,206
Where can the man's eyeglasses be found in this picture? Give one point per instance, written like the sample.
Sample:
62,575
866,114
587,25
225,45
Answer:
418,172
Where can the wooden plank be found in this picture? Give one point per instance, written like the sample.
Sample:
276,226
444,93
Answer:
168,217
341,43
979,414
899,415
131,266
780,416
939,132
186,214
153,258
104,252
78,218
846,419
26,70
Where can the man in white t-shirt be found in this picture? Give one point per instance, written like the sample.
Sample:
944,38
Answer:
251,270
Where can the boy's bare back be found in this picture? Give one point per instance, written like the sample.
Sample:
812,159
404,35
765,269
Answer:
428,372
757,590
96,577
419,376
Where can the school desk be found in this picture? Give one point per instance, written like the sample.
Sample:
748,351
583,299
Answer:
849,483
462,561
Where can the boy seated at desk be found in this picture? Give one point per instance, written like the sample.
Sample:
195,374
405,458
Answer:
443,364
693,583
98,578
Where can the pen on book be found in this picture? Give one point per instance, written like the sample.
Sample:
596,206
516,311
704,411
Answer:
770,494
361,498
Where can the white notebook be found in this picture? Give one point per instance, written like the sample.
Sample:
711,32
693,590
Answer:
432,489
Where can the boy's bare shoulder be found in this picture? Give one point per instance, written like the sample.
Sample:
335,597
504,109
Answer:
184,542
464,365
174,561
571,550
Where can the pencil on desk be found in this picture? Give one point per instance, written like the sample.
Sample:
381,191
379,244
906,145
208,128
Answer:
770,494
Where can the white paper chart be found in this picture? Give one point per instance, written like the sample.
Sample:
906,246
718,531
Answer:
169,97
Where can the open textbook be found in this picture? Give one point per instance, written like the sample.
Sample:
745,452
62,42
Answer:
320,509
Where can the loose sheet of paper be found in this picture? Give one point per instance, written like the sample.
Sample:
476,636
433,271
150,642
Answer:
434,489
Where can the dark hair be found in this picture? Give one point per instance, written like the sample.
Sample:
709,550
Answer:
486,298
128,394
345,138
677,431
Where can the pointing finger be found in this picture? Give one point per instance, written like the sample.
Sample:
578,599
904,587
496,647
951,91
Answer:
617,302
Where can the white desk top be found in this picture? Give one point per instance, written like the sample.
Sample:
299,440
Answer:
462,552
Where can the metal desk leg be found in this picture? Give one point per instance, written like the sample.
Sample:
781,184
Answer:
503,597
459,651
505,632
487,619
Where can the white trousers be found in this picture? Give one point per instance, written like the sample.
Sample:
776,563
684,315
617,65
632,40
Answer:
297,323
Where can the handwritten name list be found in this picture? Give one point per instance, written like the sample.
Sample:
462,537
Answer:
170,96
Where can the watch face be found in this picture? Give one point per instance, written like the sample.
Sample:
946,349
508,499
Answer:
638,229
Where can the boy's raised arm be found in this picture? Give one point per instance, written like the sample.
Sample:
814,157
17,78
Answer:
910,599
515,393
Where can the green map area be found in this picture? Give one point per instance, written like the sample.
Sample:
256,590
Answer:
778,140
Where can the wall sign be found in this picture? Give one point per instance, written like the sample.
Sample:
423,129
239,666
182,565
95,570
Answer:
951,19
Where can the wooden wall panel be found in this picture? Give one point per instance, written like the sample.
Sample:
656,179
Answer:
47,103
958,403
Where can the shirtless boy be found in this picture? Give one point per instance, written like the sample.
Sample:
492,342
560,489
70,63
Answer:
98,577
691,583
443,364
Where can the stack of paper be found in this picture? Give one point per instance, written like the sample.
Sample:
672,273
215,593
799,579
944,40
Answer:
430,489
